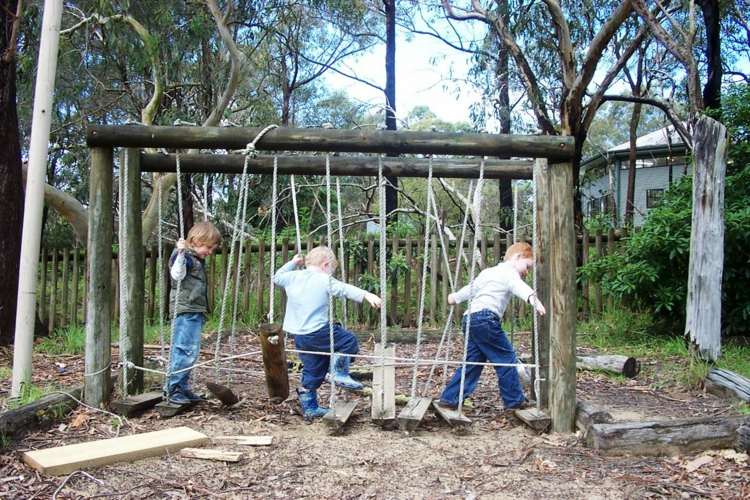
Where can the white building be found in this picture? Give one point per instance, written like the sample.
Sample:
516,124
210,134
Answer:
661,160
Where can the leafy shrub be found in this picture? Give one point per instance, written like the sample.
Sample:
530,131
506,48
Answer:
651,270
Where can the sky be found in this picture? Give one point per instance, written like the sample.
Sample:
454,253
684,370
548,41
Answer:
424,66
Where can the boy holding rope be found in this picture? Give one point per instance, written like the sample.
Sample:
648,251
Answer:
489,295
189,303
306,317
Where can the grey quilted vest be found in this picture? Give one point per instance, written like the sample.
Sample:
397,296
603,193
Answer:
193,296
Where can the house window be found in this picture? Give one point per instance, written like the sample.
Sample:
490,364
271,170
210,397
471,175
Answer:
653,197
594,207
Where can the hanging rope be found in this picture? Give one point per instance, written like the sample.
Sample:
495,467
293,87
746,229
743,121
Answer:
382,220
124,278
445,339
274,196
342,261
329,235
162,288
420,316
477,232
181,226
296,215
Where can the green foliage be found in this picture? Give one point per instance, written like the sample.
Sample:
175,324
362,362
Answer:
5,373
29,393
397,264
369,282
651,270
68,340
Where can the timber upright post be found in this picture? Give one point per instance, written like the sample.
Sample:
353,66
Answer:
272,343
97,381
562,304
542,256
132,282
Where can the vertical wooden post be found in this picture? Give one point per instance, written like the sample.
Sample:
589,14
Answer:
598,286
248,276
153,278
97,381
84,266
585,281
610,251
541,256
406,321
53,295
274,361
132,282
433,277
393,306
261,278
703,315
115,262
76,280
43,294
562,310
64,314
496,248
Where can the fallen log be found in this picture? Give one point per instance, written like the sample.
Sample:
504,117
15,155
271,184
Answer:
727,383
665,437
588,415
624,365
743,438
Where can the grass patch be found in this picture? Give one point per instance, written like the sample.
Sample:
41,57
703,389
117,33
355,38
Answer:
5,373
68,340
29,394
635,334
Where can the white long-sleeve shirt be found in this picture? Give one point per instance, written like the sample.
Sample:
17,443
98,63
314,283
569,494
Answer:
307,297
493,288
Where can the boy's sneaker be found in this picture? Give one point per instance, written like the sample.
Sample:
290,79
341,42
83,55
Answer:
447,404
179,398
193,396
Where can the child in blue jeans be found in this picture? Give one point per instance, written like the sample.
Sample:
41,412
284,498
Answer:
489,295
190,307
306,318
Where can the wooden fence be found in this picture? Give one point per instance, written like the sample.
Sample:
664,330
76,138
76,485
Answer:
61,295
604,243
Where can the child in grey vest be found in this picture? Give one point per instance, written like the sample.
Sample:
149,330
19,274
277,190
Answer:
189,304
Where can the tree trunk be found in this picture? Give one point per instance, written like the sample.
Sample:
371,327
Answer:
11,191
712,18
635,118
391,195
188,217
502,112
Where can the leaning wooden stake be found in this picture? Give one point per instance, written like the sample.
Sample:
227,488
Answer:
274,361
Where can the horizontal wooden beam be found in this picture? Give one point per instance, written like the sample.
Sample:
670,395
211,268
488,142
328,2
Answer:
332,140
340,165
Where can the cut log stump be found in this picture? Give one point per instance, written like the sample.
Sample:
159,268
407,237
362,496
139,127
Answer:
272,344
666,437
588,414
66,459
743,438
624,365
133,405
411,416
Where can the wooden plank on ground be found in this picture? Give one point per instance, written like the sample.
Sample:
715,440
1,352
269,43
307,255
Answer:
245,440
211,454
450,416
666,437
167,409
66,459
384,386
339,415
133,405
534,418
413,413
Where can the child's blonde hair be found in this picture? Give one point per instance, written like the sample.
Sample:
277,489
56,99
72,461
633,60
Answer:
319,256
203,233
521,248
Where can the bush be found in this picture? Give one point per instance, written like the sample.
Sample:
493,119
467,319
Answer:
651,270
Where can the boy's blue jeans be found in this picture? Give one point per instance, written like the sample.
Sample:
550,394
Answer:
315,367
186,345
487,342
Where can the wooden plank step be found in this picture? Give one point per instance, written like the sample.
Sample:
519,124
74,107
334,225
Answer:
133,405
211,454
167,409
451,417
66,459
534,418
339,415
411,416
245,440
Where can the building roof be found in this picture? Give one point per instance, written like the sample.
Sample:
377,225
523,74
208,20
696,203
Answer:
666,136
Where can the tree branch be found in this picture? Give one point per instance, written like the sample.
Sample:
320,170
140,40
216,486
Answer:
665,107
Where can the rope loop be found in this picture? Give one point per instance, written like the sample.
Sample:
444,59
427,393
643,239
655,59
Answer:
250,148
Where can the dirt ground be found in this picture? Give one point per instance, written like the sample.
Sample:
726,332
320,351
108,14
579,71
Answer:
497,458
